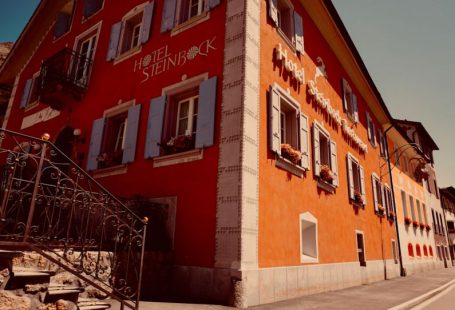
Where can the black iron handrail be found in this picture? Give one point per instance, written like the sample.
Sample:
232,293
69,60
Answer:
51,205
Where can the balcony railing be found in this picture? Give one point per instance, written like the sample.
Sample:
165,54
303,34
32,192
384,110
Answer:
65,74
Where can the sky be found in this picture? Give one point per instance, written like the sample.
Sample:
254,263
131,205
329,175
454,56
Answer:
408,47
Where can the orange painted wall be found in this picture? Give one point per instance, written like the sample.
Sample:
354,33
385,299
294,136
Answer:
283,196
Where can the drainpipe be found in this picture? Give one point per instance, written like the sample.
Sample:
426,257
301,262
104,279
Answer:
402,270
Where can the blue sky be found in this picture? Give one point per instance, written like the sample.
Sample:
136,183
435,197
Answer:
408,47
14,16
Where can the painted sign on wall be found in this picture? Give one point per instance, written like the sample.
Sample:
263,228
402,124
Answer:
163,59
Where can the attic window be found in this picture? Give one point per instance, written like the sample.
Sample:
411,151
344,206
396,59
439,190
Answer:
63,22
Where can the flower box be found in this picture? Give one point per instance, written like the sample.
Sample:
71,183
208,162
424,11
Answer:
428,227
415,223
358,197
407,220
422,225
392,214
290,153
326,174
178,144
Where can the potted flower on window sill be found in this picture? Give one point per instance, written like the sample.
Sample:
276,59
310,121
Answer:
415,223
290,153
407,220
326,174
178,144
358,197
428,227
392,214
422,226
381,209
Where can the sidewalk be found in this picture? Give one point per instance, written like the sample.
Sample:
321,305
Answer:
377,296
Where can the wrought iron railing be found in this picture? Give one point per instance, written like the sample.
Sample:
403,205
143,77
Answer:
67,71
51,205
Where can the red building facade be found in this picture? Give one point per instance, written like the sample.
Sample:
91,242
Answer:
250,133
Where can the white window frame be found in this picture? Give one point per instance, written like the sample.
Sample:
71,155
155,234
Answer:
382,144
360,232
289,38
352,159
326,134
134,12
375,182
191,100
308,217
349,93
32,104
388,199
395,251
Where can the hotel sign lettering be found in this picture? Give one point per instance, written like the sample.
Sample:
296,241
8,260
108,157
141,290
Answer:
163,59
294,70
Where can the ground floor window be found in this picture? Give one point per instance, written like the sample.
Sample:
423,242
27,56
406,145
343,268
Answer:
394,252
361,248
308,238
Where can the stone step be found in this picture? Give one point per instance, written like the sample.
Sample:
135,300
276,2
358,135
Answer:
19,279
70,293
6,259
94,307
91,304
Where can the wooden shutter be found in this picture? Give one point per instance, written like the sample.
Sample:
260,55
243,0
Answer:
362,184
26,93
334,162
274,121
206,113
273,11
350,176
96,140
213,3
114,40
304,141
62,24
298,32
381,142
355,108
167,19
375,193
155,127
403,202
373,132
132,126
343,93
316,150
368,125
147,22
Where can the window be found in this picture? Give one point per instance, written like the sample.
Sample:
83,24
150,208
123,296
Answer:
324,155
388,201
350,101
405,207
435,224
91,7
63,22
396,153
371,130
30,95
308,238
86,49
418,211
131,32
394,252
382,143
411,203
113,139
356,180
405,165
418,250
425,250
361,249
379,205
183,118
430,250
410,250
185,12
288,22
288,129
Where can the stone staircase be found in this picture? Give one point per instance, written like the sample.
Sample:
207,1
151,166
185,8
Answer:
41,288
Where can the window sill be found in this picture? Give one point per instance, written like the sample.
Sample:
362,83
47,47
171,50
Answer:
289,166
326,186
287,40
190,23
179,158
31,106
110,171
308,259
130,53
358,204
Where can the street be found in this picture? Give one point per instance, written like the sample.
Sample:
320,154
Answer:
442,301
